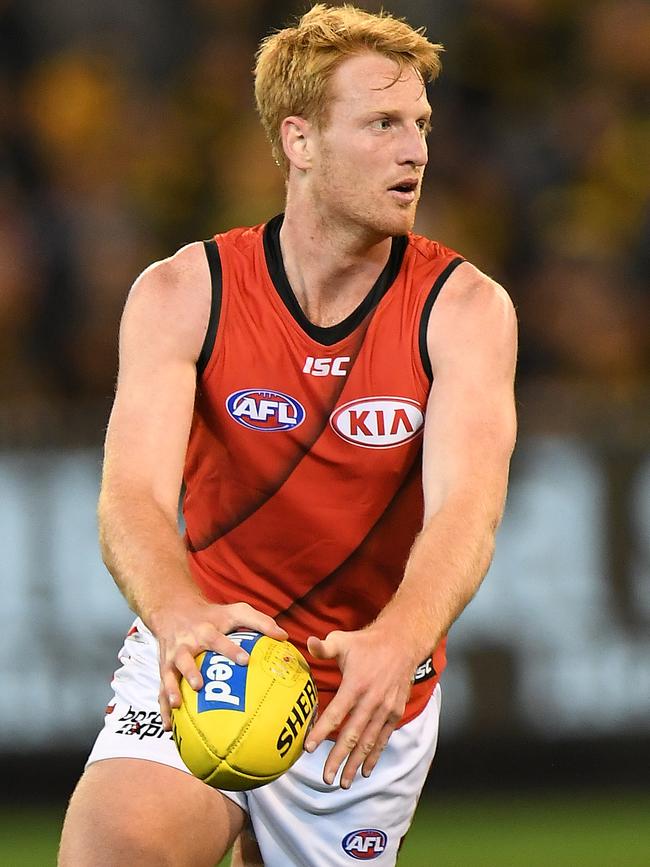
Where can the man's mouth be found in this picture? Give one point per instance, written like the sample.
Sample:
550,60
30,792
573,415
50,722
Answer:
405,186
404,191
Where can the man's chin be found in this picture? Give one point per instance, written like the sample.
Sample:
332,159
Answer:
400,223
386,223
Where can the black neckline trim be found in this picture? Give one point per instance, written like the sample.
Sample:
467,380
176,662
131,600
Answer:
331,334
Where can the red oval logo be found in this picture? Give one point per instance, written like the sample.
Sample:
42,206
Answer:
378,422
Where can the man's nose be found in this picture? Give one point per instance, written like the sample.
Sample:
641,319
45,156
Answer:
414,147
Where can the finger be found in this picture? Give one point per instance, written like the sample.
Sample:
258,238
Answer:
169,696
273,630
364,747
222,645
327,648
317,647
211,640
165,710
205,636
329,720
380,743
242,615
184,662
346,743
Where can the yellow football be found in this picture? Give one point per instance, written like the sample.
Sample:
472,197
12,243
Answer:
247,724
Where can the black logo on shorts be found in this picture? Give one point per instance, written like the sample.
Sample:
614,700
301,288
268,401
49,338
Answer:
141,724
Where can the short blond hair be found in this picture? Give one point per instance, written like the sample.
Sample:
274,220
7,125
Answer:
294,66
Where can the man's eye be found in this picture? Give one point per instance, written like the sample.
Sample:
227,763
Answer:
381,123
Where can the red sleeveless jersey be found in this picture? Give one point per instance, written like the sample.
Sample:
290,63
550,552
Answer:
303,490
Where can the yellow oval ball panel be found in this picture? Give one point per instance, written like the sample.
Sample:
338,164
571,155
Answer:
261,714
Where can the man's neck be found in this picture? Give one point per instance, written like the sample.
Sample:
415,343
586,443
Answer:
331,268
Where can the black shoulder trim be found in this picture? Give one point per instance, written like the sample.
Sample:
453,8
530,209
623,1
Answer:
426,313
331,334
214,261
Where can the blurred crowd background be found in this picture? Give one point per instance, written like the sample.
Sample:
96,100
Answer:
128,129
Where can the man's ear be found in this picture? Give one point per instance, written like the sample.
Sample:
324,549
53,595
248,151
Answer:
296,133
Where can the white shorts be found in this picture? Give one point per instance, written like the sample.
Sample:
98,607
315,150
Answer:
298,820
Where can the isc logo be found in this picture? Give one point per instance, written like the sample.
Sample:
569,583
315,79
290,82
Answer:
260,409
378,422
365,844
224,682
325,366
424,671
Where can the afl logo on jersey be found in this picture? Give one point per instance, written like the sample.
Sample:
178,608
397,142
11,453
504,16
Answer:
378,422
364,844
259,409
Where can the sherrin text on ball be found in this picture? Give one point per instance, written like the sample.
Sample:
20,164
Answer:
247,724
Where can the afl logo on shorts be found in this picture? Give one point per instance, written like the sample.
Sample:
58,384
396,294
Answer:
378,422
258,409
365,844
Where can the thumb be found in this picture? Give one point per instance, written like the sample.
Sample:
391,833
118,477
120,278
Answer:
327,648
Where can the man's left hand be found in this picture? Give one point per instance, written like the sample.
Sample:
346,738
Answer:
369,703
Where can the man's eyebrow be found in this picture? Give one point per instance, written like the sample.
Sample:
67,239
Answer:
426,114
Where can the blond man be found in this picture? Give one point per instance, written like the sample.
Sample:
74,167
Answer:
337,393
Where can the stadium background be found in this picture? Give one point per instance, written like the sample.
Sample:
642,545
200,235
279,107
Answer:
126,130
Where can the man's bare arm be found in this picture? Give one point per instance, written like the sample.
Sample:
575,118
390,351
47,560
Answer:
468,440
469,437
161,336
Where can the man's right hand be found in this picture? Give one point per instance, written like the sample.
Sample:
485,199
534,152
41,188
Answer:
189,628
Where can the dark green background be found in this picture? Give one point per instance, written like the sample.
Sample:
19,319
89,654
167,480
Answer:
529,830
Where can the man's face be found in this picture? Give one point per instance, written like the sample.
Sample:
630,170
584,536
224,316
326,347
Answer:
370,155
